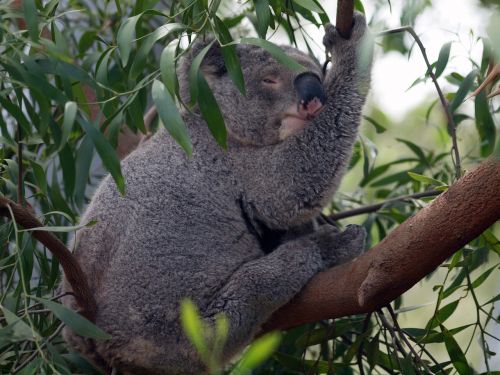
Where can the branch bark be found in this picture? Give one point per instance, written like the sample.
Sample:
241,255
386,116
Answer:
345,12
406,255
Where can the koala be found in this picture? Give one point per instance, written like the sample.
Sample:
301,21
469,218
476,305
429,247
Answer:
228,229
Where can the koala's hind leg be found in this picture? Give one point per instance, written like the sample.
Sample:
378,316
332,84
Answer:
260,287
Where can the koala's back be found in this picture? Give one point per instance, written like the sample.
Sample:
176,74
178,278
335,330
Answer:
157,245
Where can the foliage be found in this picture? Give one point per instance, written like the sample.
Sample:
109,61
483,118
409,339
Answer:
74,74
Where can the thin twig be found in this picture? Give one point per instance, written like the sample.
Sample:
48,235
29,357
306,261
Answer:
396,344
34,354
403,337
359,355
444,102
377,206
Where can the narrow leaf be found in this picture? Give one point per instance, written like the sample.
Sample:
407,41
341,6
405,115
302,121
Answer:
231,59
170,116
193,72
263,17
125,36
75,321
31,18
310,5
260,350
167,68
456,354
275,51
484,124
444,55
463,89
211,112
106,152
70,109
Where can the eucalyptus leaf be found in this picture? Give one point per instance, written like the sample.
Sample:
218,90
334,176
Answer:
75,321
106,152
170,116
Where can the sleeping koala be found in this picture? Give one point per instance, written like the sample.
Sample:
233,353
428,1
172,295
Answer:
215,227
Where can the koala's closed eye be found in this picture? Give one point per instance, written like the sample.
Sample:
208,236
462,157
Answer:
270,81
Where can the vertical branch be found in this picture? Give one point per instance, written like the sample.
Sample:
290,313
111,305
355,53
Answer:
345,12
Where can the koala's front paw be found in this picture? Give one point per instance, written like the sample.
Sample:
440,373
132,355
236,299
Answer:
339,247
333,41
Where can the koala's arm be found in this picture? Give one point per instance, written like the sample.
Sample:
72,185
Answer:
260,287
300,175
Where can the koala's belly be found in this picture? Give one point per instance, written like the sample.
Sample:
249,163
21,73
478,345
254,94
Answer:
146,272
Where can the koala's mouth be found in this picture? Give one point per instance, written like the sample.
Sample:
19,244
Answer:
293,122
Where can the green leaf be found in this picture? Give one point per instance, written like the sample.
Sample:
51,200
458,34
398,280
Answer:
193,72
167,68
147,44
84,156
211,112
231,59
125,36
193,326
358,5
263,17
482,278
484,124
444,55
75,321
19,329
463,89
456,354
310,5
372,351
425,179
70,109
106,152
101,72
31,18
260,350
443,314
69,228
378,128
170,116
67,161
416,150
275,51
40,178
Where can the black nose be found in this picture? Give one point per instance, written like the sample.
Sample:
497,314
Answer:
308,86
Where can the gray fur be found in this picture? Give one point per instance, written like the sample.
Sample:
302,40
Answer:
216,227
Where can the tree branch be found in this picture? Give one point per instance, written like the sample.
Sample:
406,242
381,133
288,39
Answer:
405,256
345,12
377,206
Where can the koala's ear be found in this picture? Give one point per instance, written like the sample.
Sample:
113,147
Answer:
213,62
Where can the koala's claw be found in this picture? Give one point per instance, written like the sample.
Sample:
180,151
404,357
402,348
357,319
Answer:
340,247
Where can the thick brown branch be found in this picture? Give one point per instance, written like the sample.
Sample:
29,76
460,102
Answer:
72,270
405,256
345,12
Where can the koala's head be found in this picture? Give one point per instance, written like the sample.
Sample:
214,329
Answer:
278,101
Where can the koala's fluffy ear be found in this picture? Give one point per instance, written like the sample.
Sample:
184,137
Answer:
213,62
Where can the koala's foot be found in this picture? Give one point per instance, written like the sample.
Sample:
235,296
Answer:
339,247
333,41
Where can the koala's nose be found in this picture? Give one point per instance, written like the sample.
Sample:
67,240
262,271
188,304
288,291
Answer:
310,93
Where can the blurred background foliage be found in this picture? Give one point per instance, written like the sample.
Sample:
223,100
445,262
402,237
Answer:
76,75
